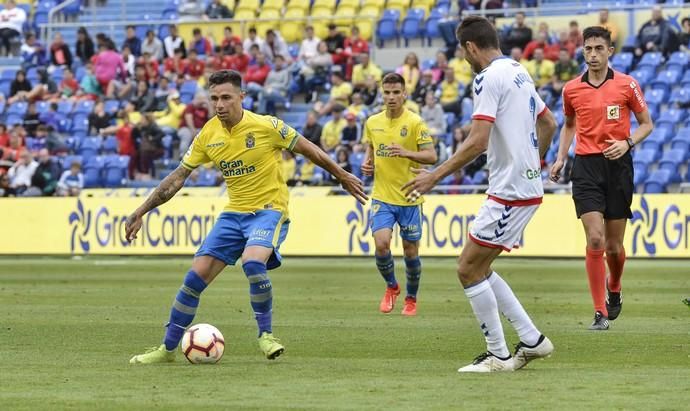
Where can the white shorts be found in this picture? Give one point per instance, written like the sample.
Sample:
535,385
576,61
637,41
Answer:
500,225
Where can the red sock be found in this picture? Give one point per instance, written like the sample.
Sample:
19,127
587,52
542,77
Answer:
616,263
596,273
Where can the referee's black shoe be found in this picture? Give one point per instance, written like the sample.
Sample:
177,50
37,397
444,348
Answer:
601,323
614,303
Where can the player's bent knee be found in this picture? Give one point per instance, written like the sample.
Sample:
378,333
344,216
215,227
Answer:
595,241
207,267
613,248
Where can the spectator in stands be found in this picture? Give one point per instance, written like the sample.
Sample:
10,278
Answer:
342,157
256,75
129,60
336,45
251,40
71,181
153,46
306,172
609,25
656,35
22,171
364,69
239,60
275,46
230,40
4,137
15,148
144,100
68,87
219,61
309,46
201,44
32,52
540,69
6,190
564,42
541,42
684,36
315,70
19,87
195,66
575,34
60,54
217,10
132,41
176,66
357,107
275,88
108,66
340,94
150,145
410,72
439,67
12,20
89,85
288,169
565,70
332,130
312,129
516,54
151,68
433,115
355,45
84,48
352,132
99,119
174,42
163,91
31,119
450,94
460,66
518,35
424,86
50,117
370,94
53,141
45,178
170,118
194,117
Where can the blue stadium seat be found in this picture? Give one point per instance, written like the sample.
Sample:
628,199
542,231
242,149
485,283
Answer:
666,79
645,157
188,89
111,106
248,103
386,30
116,171
679,60
5,86
18,108
80,124
68,160
110,145
14,119
65,107
656,96
685,81
657,182
391,14
295,119
467,107
671,161
671,116
622,62
84,107
93,171
411,28
8,74
651,59
640,173
90,146
431,30
42,106
643,75
680,96
64,124
207,177
480,177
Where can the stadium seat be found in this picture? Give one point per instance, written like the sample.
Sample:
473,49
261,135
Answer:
480,177
93,170
666,79
392,14
431,30
651,59
19,108
90,146
8,74
386,30
680,97
671,161
682,141
68,160
645,157
622,61
643,75
411,28
65,107
670,116
167,142
84,107
292,30
110,145
111,106
5,86
64,124
656,96
678,60
657,182
640,174
116,171
263,26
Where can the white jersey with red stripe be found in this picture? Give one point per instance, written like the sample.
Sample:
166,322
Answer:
504,94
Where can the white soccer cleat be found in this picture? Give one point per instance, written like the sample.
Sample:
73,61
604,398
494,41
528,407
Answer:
487,362
524,353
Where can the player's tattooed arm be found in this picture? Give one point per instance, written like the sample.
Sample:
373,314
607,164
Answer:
164,192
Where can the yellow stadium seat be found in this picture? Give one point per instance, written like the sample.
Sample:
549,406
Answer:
394,4
378,3
299,4
230,3
245,14
370,10
263,26
345,11
366,28
272,5
292,30
321,28
248,4
328,4
350,3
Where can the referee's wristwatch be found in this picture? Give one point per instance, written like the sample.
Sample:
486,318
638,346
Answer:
631,143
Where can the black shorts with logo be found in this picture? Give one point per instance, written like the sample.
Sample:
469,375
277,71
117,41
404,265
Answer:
603,185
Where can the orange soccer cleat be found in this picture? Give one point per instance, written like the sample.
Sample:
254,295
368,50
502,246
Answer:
388,300
410,308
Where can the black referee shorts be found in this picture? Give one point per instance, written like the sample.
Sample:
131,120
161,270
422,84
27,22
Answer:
603,185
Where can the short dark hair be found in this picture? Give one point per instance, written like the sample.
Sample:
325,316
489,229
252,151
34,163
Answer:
252,29
597,31
479,31
129,26
682,22
393,78
196,31
225,76
522,13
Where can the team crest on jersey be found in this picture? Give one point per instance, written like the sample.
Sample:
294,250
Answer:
403,132
250,141
613,112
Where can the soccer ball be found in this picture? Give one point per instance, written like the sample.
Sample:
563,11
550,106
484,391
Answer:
203,344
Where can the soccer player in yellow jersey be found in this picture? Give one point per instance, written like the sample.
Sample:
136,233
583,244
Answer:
397,140
246,148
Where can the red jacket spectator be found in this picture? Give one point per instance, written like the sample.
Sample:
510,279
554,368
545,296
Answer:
152,67
239,61
219,62
550,50
176,64
229,41
356,45
195,67
199,115
257,73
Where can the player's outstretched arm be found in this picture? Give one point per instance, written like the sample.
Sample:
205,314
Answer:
350,183
477,143
164,192
566,139
546,127
368,163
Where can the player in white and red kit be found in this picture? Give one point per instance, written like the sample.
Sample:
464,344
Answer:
512,124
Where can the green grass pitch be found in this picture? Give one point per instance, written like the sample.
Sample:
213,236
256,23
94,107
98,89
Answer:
69,327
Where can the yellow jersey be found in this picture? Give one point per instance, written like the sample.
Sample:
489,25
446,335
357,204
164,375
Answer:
249,158
462,70
391,173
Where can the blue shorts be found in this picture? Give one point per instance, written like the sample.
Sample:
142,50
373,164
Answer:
235,231
409,218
